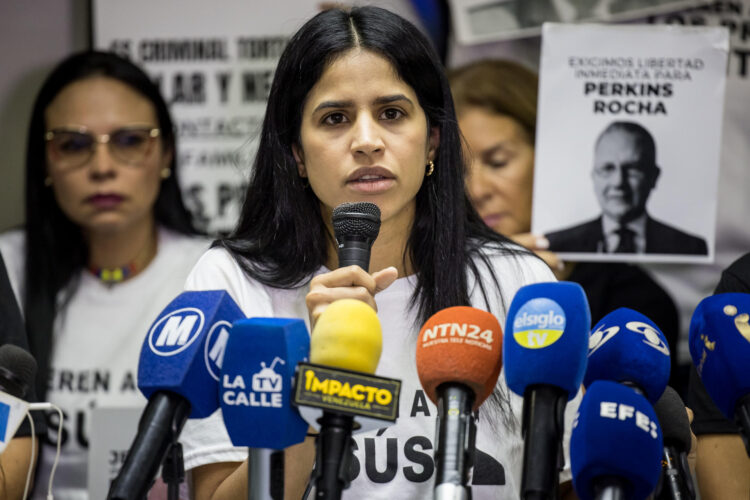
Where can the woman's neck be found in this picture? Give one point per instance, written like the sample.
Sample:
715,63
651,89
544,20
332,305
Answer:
134,247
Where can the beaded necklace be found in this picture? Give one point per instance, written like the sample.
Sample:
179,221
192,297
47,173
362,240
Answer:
114,275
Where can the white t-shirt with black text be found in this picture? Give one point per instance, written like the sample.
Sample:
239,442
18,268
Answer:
96,347
394,462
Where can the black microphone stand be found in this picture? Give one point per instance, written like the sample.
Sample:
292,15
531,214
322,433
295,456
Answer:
173,469
542,429
333,455
456,440
158,431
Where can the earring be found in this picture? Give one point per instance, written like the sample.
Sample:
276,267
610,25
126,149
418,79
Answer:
430,168
48,181
165,173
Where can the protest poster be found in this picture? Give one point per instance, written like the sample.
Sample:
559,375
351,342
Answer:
628,141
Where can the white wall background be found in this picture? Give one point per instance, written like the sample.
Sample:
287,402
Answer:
34,36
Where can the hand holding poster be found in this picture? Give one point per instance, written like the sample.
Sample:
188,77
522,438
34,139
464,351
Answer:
628,140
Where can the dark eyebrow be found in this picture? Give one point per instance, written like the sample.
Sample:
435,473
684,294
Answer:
388,99
347,104
333,104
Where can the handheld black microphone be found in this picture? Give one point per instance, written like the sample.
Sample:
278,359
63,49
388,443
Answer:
356,225
676,482
17,370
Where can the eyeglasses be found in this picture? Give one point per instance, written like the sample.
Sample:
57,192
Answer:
68,149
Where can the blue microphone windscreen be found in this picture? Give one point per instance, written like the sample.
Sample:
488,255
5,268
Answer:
720,348
256,382
616,433
185,346
546,337
626,346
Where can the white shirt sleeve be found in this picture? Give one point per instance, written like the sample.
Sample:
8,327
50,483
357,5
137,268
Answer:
206,441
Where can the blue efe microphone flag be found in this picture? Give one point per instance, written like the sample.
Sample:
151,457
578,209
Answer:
720,348
185,347
615,434
626,346
546,337
256,382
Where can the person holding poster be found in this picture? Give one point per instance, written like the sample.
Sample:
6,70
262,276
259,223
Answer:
360,110
615,115
624,174
107,244
496,107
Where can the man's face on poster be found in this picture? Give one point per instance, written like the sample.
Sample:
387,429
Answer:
624,175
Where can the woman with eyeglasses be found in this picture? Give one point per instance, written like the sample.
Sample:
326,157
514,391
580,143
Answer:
106,245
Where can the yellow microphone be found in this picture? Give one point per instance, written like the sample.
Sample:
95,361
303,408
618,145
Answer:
345,348
347,335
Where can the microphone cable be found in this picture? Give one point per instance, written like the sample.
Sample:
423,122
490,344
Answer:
309,487
31,457
43,406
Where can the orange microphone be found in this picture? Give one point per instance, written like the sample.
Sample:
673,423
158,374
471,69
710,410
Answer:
459,357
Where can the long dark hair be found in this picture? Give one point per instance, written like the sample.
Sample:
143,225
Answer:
55,246
279,244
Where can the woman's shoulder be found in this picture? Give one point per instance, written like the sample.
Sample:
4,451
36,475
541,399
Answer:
183,244
218,269
512,261
216,266
502,270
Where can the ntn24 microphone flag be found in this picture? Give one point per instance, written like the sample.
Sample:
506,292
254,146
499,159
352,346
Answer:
256,382
460,344
185,347
546,337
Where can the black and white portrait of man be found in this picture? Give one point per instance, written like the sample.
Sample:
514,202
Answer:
624,173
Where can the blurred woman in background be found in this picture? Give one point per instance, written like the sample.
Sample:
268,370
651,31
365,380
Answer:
496,108
106,245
